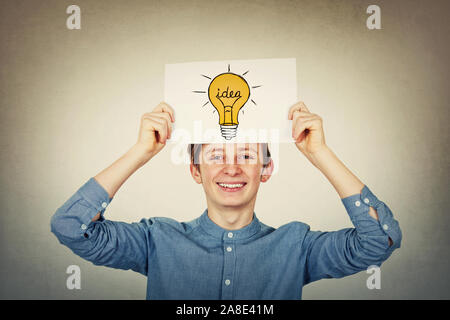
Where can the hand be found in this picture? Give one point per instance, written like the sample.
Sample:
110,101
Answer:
306,130
155,129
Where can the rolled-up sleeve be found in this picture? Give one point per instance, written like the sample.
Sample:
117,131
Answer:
103,242
344,252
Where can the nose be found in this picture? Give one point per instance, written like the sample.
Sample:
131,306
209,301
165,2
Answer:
232,169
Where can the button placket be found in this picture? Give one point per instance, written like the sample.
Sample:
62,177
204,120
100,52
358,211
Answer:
229,266
373,203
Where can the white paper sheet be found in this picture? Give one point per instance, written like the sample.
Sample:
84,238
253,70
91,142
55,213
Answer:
272,85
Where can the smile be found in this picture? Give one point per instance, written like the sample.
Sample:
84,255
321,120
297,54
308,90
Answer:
231,187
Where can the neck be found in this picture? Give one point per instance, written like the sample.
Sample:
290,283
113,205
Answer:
231,218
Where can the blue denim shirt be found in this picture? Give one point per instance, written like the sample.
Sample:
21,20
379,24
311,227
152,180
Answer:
200,260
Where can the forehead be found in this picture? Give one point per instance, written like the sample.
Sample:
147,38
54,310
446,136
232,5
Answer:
230,147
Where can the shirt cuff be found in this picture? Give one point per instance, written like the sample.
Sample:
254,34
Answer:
358,206
97,198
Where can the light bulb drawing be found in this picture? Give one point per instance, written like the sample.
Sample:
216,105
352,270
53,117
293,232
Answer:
228,93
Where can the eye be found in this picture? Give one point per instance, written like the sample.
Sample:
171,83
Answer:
246,156
216,157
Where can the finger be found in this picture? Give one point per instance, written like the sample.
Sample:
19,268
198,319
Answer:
152,117
302,126
297,129
299,106
303,115
166,117
160,114
292,110
312,124
164,107
296,126
301,136
160,117
160,126
303,107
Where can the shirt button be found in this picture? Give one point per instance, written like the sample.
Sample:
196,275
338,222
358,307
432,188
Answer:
104,205
385,226
230,234
83,226
229,249
357,203
366,200
227,282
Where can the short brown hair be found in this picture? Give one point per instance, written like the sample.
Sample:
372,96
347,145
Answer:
194,152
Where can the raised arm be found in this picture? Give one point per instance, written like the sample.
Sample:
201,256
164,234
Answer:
307,130
377,234
79,222
155,129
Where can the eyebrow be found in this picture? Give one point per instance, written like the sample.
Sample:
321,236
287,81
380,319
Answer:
239,149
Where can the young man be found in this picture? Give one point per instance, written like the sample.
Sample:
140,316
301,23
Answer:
227,253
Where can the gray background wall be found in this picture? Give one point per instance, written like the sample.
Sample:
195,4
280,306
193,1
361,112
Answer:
71,101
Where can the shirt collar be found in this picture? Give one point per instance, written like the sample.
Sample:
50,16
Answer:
218,232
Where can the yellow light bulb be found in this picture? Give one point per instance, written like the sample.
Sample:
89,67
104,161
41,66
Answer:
228,93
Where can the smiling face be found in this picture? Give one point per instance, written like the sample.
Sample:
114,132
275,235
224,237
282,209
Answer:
231,174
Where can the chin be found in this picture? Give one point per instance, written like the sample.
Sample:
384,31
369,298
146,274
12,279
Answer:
232,204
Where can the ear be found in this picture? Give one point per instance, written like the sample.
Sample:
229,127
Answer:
195,173
266,172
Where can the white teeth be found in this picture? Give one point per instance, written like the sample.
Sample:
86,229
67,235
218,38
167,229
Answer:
238,185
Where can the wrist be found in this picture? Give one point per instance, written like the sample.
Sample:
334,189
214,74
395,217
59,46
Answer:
140,154
320,156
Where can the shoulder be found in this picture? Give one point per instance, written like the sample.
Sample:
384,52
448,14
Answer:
170,224
296,228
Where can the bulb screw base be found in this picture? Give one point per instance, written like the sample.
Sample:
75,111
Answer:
228,132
